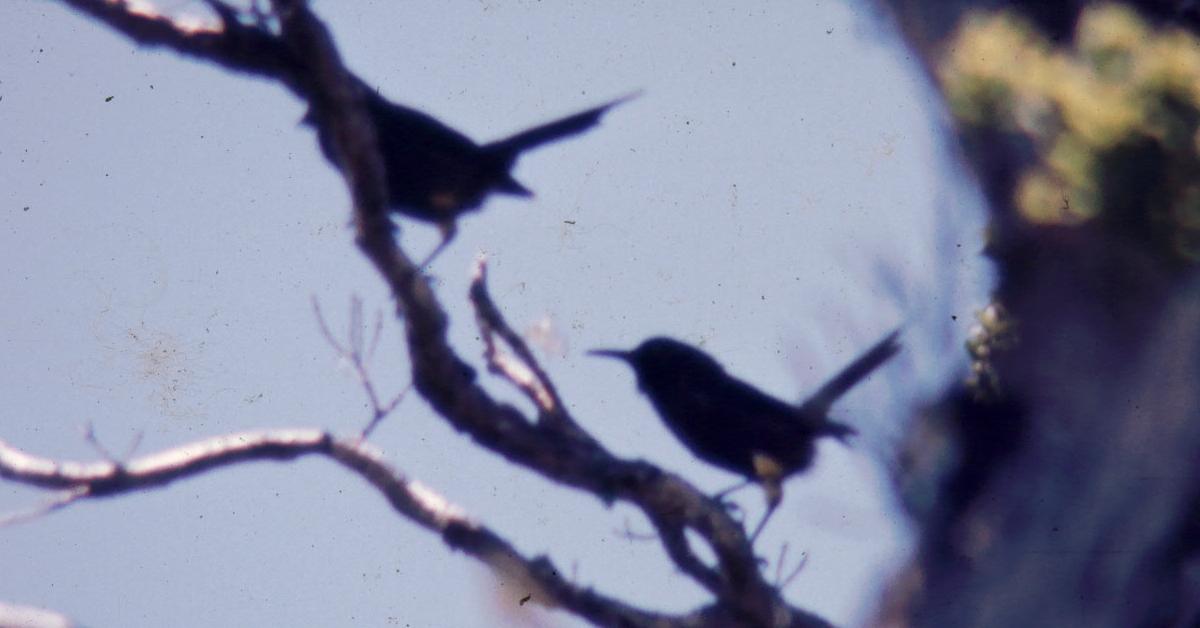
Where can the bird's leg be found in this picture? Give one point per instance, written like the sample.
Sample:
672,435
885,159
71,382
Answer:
729,506
449,230
720,495
774,496
770,476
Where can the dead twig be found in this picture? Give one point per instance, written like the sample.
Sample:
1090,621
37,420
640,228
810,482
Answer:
62,501
781,580
89,436
524,372
357,354
410,498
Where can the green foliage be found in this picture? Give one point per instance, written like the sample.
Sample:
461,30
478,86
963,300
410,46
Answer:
1113,120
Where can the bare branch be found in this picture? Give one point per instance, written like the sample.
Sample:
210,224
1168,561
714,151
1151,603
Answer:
383,411
376,334
782,581
353,353
303,56
37,512
134,443
32,617
236,46
408,497
524,372
89,436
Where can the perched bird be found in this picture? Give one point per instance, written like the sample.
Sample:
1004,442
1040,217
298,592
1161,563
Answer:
733,425
435,173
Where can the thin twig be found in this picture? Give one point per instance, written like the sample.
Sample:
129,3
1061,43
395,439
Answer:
382,412
782,581
353,354
89,436
783,549
627,532
62,501
375,335
134,443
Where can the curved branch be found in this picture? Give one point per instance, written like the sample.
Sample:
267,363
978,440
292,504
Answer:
32,617
237,46
408,497
526,374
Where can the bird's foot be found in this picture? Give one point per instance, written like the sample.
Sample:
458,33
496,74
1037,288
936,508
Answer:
731,507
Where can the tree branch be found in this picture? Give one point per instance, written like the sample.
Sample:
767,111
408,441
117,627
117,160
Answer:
357,354
32,617
410,498
303,56
526,374
447,382
237,46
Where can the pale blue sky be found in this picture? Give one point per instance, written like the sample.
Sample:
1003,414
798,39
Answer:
779,194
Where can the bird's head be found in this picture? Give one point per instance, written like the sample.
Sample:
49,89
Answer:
663,359
310,118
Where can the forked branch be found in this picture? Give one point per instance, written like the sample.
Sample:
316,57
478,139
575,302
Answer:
294,47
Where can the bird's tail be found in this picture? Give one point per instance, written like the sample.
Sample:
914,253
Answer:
855,372
510,147
840,431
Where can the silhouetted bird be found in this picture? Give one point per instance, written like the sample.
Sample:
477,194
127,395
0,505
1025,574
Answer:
435,173
733,425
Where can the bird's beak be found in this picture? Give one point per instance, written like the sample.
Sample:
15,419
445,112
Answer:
610,353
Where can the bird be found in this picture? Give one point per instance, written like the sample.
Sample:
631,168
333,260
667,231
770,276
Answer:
435,173
730,424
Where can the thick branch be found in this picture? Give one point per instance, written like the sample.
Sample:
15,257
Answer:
239,47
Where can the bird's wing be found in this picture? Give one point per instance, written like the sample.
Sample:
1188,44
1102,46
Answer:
413,128
759,410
